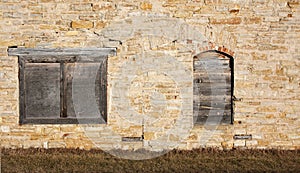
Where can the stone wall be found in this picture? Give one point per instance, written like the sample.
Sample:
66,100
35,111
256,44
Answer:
156,42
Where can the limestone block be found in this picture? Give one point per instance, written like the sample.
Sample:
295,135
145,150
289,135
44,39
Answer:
5,129
227,145
56,144
251,143
103,6
82,7
231,21
146,6
82,24
99,24
239,143
149,135
72,33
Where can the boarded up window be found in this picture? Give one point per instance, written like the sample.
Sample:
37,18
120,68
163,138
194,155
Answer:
63,86
42,83
213,88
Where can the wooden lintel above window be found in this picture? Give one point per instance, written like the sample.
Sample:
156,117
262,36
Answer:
61,51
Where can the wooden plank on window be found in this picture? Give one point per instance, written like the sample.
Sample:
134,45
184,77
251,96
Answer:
208,92
204,70
69,69
42,90
213,105
206,113
211,65
202,83
62,121
63,91
47,59
85,86
214,119
220,74
215,80
198,97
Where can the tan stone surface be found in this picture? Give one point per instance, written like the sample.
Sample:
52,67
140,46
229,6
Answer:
82,24
262,36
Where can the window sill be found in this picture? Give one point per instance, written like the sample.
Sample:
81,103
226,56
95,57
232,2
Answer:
64,121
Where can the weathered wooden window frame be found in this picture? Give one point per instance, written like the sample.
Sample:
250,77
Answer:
62,56
231,66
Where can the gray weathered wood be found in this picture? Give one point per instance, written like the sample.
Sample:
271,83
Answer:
83,85
212,88
63,94
62,59
21,91
242,136
214,118
62,51
132,139
198,97
42,90
206,113
62,121
69,70
46,88
208,92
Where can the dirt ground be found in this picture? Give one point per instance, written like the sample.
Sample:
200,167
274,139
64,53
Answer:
198,160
